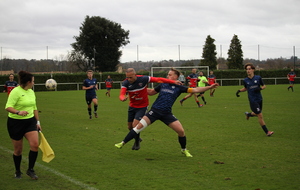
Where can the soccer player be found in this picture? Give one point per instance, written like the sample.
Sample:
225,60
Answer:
136,87
162,110
253,84
23,121
202,83
291,77
193,79
108,84
212,79
10,84
90,86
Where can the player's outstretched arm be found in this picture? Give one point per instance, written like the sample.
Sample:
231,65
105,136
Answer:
202,89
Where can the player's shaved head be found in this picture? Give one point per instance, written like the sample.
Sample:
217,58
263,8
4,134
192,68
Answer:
131,70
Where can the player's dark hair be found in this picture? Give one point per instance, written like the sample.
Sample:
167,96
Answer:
89,71
175,71
251,65
24,77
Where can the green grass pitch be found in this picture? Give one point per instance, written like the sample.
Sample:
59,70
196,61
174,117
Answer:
229,151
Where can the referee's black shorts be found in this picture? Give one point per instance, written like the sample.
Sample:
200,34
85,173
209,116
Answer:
17,128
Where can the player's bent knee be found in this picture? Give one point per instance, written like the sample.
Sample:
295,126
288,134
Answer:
137,129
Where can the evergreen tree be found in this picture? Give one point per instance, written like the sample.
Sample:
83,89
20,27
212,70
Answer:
235,54
209,54
97,46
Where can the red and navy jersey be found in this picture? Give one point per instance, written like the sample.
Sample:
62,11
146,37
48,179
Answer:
137,91
292,76
168,94
211,79
88,83
193,79
9,86
252,85
108,83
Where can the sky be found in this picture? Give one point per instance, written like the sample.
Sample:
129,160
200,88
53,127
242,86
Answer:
159,29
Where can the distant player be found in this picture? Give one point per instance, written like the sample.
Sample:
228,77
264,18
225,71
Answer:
253,84
193,79
90,87
136,87
108,84
291,77
212,79
202,82
10,84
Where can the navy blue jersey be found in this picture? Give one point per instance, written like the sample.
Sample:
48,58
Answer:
168,94
252,86
88,83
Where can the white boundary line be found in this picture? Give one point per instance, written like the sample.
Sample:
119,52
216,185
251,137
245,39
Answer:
82,185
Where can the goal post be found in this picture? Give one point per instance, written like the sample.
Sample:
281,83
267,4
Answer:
185,70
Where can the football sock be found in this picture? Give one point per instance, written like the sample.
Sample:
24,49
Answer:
264,127
95,108
130,136
182,142
17,161
198,103
90,111
137,138
292,89
203,99
32,158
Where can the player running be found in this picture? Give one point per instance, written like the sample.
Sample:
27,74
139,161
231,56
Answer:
162,110
193,79
202,82
253,84
136,87
10,84
90,86
108,84
291,77
212,79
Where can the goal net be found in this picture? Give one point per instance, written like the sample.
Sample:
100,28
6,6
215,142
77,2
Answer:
185,70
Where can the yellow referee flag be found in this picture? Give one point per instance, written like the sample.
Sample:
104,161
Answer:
48,153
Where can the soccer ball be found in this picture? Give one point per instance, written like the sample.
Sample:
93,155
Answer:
51,84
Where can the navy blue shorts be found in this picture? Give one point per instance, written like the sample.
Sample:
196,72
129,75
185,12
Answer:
256,107
292,82
89,99
17,128
136,113
165,117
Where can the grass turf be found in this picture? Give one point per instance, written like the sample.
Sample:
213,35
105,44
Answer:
229,151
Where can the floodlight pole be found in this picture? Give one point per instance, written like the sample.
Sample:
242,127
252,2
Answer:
294,58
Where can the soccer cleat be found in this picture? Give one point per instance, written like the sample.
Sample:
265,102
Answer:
205,102
96,115
18,174
270,133
247,115
136,146
186,153
181,102
90,117
32,174
119,145
200,105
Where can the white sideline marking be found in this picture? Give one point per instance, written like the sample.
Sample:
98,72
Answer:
82,185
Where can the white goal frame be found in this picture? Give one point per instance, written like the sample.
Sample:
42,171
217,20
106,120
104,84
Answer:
180,67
